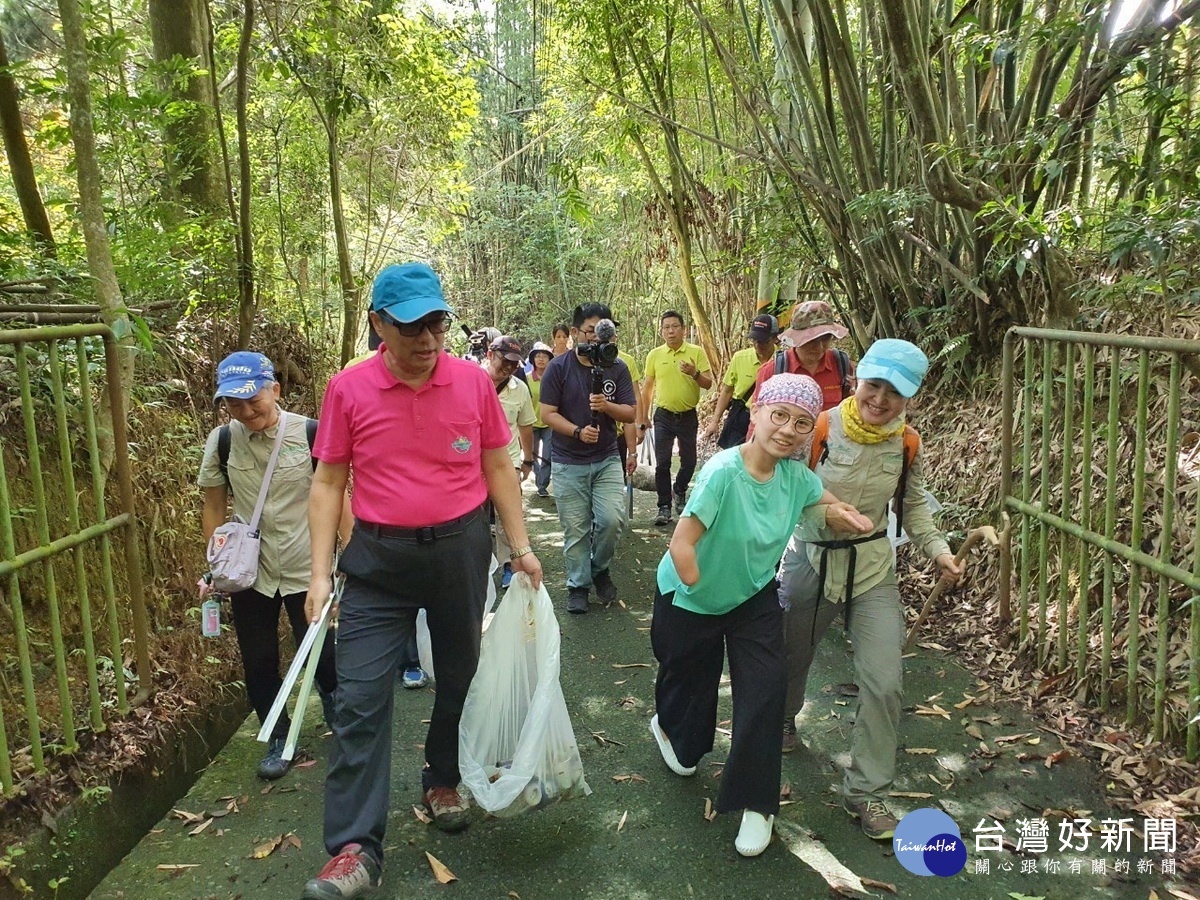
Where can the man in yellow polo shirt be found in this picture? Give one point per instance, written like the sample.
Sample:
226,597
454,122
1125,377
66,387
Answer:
679,371
739,382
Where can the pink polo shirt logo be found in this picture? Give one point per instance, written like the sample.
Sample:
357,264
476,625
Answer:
461,444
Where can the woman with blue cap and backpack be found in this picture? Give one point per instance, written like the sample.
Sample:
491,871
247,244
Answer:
262,461
864,452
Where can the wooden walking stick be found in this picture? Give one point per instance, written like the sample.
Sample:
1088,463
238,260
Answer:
974,536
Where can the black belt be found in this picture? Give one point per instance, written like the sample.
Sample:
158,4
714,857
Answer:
843,544
677,415
423,535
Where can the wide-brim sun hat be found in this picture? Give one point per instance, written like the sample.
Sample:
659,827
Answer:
539,347
408,292
812,320
900,363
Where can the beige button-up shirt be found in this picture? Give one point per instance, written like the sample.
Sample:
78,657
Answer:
866,475
284,556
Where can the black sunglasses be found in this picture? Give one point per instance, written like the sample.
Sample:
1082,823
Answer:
436,325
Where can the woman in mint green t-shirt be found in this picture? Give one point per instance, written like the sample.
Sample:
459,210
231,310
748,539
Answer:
717,593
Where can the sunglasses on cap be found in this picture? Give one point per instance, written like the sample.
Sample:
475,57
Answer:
437,324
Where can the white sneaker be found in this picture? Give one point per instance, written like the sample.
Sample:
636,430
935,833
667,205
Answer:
667,751
755,833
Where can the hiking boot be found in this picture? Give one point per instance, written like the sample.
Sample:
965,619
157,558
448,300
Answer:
414,677
664,516
506,576
789,735
448,808
876,819
351,873
667,751
577,600
273,765
680,503
605,589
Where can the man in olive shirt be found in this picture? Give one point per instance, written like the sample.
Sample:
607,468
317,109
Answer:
679,371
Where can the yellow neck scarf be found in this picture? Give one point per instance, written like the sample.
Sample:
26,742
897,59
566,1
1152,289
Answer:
863,432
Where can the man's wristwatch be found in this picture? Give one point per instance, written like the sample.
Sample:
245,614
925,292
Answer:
641,426
518,552
526,462
578,431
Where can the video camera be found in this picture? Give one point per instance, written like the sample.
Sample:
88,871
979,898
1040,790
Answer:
602,352
479,341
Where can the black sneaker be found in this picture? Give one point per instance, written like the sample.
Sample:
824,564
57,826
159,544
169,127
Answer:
605,589
577,600
680,503
273,765
664,516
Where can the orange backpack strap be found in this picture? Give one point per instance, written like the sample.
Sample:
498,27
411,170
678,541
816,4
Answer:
820,441
912,446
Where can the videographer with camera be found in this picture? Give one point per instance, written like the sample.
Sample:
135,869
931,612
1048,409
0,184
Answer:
584,394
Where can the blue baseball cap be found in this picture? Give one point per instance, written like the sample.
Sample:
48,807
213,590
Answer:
243,374
408,292
899,363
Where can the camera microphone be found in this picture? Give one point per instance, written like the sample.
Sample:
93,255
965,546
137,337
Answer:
605,331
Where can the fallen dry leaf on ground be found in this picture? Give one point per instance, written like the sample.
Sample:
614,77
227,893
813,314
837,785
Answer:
1009,738
631,665
631,778
440,872
199,828
265,849
882,885
624,819
818,857
920,751
180,867
709,812
422,815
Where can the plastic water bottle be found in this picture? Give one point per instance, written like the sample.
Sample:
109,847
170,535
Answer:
210,618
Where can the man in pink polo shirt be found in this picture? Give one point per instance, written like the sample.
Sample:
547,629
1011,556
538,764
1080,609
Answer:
427,439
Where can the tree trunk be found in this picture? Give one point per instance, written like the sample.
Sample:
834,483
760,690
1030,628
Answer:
91,210
350,310
20,163
245,242
178,28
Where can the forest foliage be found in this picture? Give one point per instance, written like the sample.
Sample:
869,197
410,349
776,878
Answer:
936,170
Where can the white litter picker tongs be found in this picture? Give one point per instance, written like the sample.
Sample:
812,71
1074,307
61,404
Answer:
308,654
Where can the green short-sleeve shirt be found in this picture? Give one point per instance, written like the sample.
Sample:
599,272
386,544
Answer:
747,522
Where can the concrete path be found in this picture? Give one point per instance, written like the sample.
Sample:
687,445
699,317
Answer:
643,832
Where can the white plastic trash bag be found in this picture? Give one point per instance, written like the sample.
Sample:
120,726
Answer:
424,643
516,747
